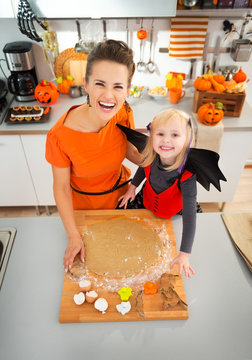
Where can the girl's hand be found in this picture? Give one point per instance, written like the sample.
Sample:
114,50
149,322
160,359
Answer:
74,247
129,195
183,262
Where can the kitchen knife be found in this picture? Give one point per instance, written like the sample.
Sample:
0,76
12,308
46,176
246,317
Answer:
205,52
216,54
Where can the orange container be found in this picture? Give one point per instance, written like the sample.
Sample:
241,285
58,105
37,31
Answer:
176,94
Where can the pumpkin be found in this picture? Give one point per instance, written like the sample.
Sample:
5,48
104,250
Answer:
174,81
142,34
202,83
210,114
46,92
64,84
219,78
150,288
217,87
228,83
240,76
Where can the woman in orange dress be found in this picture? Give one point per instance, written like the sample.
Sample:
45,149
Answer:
86,148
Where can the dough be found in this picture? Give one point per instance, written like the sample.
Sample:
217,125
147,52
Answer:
120,248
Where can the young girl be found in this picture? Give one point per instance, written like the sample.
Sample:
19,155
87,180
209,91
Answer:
169,188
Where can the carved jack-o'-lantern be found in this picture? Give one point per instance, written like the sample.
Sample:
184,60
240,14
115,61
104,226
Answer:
210,114
142,34
46,92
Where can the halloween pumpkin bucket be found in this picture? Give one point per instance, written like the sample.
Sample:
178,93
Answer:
46,92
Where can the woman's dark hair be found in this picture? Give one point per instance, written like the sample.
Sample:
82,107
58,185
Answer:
111,50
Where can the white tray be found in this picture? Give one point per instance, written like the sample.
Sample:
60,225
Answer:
28,115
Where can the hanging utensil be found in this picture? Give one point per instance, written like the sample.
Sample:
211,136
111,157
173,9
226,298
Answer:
216,54
151,65
141,65
79,46
127,31
141,35
104,30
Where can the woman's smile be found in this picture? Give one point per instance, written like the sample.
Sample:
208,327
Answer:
106,106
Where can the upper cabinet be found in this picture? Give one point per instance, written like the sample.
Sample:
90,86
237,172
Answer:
6,9
101,9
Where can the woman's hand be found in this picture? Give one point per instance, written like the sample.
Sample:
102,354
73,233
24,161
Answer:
74,247
182,260
129,195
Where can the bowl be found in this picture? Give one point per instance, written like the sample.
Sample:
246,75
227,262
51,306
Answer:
158,92
135,93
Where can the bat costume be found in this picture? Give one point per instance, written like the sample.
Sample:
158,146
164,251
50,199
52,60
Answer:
167,193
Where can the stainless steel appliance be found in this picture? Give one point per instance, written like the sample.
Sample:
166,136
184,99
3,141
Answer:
241,50
23,78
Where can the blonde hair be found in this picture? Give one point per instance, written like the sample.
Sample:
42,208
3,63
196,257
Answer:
163,118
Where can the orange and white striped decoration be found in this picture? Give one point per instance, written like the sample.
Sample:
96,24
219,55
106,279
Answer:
187,37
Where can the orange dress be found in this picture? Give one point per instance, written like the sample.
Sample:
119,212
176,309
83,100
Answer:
95,159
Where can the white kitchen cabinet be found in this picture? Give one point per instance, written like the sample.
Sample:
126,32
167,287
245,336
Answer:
6,9
17,188
41,172
102,9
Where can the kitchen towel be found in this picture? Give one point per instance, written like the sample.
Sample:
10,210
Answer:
208,137
187,37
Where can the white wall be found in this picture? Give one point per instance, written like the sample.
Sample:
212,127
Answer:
67,37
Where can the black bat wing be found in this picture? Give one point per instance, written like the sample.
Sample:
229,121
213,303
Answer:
204,164
135,137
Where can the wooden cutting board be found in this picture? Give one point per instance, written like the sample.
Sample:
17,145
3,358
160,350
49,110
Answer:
68,62
239,227
143,307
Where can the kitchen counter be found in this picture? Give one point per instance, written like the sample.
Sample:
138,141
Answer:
219,297
144,109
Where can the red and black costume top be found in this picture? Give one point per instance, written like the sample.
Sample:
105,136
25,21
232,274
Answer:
165,193
158,203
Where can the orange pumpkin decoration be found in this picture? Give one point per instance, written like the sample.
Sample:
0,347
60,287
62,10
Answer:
202,83
240,76
174,81
219,78
46,92
228,83
217,87
210,114
142,34
65,84
150,288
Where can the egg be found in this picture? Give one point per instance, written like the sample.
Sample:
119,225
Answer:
91,296
85,285
124,307
79,298
101,304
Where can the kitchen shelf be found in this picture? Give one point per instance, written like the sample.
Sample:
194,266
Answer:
216,14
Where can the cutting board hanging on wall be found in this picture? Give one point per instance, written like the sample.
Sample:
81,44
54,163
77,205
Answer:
68,62
77,69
